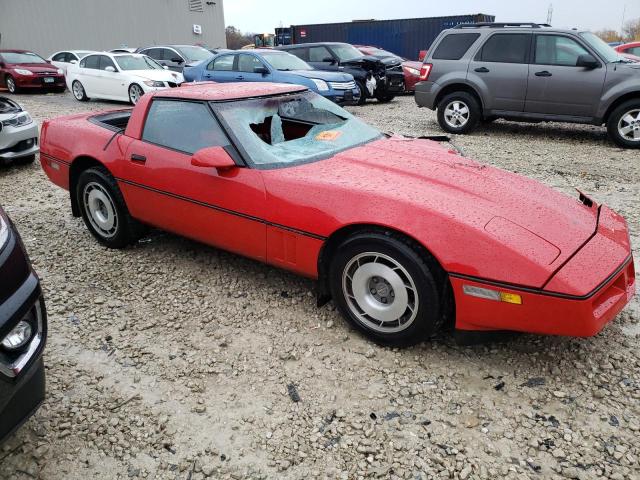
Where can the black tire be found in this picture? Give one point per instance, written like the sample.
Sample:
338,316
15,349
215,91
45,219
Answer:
25,160
463,99
417,268
97,183
132,88
616,122
78,91
385,97
10,83
364,93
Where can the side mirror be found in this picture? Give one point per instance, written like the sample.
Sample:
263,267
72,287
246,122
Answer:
73,62
166,67
328,60
213,157
109,68
587,61
261,70
177,60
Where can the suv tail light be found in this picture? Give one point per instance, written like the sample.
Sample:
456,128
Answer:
425,71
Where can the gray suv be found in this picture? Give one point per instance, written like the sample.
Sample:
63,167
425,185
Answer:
529,72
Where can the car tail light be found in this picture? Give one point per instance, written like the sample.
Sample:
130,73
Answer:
425,71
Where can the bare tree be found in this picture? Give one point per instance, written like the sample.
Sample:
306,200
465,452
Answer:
631,30
236,39
609,35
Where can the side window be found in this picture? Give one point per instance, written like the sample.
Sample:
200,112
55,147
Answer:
558,50
60,57
155,53
454,46
634,51
170,55
92,61
318,54
223,64
106,62
302,53
183,126
71,56
506,48
248,63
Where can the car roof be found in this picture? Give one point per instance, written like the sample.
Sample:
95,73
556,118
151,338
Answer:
216,92
316,44
11,50
514,28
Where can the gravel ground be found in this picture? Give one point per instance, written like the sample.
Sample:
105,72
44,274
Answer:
174,360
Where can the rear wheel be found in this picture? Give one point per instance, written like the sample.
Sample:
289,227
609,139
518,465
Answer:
385,287
104,211
78,91
624,124
135,93
458,112
11,84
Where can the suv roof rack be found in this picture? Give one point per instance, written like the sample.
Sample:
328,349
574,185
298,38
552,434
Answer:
500,25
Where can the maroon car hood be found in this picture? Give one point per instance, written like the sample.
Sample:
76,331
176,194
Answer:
431,178
35,67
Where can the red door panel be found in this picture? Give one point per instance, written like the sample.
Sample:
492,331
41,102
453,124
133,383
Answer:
224,209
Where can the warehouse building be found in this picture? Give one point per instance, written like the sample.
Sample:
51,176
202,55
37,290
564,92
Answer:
46,26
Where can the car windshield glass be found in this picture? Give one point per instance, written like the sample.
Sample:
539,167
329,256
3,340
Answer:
346,52
293,129
600,46
285,61
131,62
26,57
195,54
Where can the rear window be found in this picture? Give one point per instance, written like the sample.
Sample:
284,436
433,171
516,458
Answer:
454,46
506,48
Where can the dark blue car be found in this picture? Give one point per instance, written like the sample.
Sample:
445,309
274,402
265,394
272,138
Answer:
274,66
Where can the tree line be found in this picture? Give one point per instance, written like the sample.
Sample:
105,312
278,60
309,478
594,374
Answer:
630,33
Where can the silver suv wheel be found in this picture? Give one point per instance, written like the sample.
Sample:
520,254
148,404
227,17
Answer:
629,126
456,114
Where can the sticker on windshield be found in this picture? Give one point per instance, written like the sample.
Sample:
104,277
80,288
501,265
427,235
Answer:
328,136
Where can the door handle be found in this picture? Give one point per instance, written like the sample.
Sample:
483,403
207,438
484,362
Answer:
138,158
543,74
482,70
239,77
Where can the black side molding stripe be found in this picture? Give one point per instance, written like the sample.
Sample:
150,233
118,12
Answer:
64,162
224,210
536,291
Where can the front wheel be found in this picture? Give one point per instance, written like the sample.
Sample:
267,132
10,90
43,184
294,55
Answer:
458,112
624,124
383,285
103,209
385,97
78,91
364,94
135,93
11,84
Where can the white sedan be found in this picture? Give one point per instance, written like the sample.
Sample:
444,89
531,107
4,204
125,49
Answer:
65,58
118,76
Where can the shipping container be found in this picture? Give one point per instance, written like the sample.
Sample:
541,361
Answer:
405,37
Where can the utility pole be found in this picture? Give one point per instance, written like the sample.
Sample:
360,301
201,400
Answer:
624,14
550,14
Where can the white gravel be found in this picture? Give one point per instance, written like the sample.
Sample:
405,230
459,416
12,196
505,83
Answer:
174,360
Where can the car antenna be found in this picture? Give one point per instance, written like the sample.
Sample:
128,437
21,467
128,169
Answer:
120,131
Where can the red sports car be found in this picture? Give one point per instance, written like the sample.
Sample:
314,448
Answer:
629,50
21,69
406,236
410,69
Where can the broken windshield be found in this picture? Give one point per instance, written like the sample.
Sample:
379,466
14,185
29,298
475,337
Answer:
292,129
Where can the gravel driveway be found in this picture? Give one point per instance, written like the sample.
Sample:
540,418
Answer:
174,360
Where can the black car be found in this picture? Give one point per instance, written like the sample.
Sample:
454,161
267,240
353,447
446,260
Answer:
23,331
176,57
379,78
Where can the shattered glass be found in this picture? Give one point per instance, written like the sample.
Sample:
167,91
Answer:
293,129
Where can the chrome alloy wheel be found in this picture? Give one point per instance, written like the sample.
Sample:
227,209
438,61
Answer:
629,126
135,93
100,209
78,90
380,292
11,85
456,114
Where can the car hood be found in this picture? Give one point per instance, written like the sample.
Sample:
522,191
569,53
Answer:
158,75
531,228
35,67
326,76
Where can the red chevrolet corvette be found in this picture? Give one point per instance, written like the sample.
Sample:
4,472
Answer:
405,235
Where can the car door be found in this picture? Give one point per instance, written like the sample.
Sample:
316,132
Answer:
163,188
220,69
556,85
320,57
88,74
499,70
111,83
246,69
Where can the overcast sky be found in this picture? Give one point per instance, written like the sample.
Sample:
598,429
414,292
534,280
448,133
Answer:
264,15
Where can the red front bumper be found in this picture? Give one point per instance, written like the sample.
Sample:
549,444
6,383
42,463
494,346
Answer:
579,300
38,81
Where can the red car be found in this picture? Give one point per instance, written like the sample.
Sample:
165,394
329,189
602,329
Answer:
20,69
410,68
406,236
629,50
